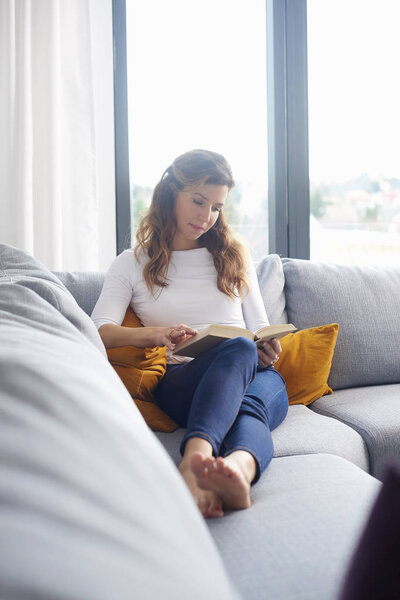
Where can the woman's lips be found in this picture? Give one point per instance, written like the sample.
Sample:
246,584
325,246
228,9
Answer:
196,227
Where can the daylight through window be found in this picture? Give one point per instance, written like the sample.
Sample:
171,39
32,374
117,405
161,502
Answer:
197,79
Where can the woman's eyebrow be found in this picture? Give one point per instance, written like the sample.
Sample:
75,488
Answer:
201,195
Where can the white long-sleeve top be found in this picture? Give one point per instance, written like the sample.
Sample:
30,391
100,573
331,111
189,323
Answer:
191,297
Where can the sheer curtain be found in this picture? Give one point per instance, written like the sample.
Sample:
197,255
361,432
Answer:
50,202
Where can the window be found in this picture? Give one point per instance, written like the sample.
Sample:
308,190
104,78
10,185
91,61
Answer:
197,79
354,95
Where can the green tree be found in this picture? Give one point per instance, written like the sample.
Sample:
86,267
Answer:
372,212
318,203
374,187
231,207
140,202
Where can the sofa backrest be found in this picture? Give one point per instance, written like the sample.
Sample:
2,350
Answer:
84,286
365,301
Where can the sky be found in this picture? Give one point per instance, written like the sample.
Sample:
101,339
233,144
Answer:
197,79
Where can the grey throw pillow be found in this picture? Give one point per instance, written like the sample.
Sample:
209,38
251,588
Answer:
272,283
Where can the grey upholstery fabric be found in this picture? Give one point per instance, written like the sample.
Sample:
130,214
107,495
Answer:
365,303
294,543
84,286
91,506
302,432
375,413
272,286
19,268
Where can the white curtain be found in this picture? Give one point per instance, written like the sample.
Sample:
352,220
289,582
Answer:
49,197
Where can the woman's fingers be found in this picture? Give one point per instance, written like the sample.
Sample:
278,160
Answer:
263,359
181,330
276,345
178,333
188,330
271,350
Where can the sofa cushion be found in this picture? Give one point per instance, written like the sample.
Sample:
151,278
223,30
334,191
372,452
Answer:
91,504
302,432
364,301
272,286
84,286
296,540
372,411
305,362
140,370
18,267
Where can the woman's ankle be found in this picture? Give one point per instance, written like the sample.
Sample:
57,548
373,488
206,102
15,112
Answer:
196,444
246,462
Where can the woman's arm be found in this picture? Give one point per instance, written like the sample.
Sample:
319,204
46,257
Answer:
114,299
116,293
144,337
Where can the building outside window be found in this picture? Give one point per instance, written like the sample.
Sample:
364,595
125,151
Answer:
197,79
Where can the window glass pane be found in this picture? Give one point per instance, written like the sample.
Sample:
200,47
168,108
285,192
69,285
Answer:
197,79
354,99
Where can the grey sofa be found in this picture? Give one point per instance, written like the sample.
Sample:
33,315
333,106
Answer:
91,503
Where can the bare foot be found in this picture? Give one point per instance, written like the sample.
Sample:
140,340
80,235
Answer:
209,503
223,476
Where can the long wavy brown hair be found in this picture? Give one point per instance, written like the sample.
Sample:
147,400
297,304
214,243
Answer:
157,229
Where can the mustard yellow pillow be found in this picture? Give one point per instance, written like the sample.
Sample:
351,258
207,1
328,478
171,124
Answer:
140,370
305,362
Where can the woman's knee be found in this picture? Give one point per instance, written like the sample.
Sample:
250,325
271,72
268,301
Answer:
243,347
270,388
279,407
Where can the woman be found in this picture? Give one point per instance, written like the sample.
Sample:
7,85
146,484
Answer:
186,272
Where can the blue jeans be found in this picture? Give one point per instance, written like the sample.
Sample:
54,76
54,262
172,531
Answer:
224,398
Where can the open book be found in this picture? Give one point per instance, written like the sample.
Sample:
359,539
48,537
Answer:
215,334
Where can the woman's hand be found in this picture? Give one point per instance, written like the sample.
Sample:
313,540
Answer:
268,352
170,336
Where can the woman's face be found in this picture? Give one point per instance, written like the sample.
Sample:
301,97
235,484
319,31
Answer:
196,210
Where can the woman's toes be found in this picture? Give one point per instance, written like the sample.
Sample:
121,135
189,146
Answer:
220,466
202,504
215,512
197,464
209,504
215,506
209,464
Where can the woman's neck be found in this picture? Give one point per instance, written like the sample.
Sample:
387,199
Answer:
179,244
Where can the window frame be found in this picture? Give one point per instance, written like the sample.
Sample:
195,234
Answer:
121,128
287,114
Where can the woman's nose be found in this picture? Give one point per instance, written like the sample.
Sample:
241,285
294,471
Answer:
206,213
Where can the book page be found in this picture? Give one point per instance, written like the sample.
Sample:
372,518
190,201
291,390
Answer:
274,331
